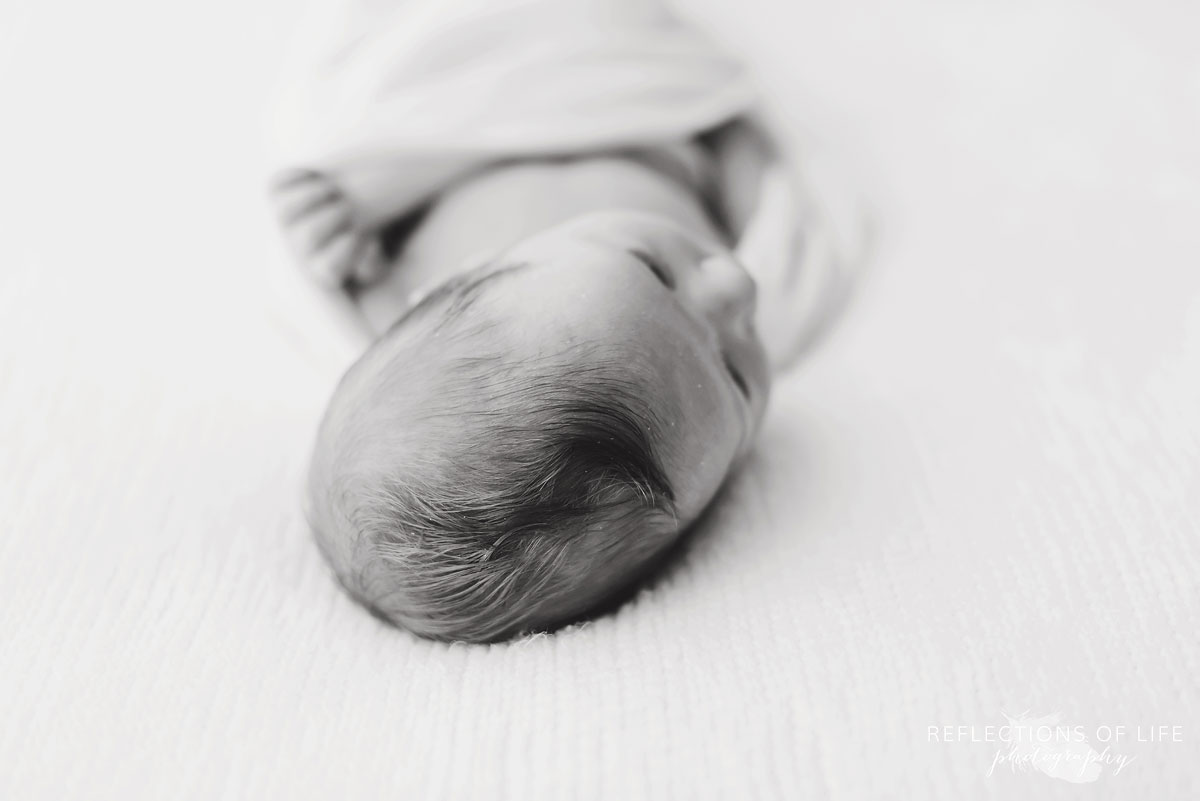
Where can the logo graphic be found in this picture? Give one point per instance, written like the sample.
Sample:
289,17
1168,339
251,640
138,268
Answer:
1045,744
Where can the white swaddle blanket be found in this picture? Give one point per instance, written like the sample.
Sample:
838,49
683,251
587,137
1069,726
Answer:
393,99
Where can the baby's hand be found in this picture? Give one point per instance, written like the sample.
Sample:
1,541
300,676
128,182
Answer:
319,223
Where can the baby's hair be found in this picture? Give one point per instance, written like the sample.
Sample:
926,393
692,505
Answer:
498,495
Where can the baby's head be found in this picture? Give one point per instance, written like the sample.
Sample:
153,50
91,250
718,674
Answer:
528,439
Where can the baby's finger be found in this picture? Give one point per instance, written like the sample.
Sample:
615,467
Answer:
369,262
334,263
296,177
294,206
320,227
299,191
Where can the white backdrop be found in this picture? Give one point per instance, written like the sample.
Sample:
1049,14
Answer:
982,496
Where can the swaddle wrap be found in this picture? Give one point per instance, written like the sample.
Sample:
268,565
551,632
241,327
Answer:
393,99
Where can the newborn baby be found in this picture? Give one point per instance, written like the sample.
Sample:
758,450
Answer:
530,435
565,367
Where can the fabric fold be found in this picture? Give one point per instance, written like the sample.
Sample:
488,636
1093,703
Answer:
393,99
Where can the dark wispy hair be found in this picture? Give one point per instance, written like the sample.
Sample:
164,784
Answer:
534,495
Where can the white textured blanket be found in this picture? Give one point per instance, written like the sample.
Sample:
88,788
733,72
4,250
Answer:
978,497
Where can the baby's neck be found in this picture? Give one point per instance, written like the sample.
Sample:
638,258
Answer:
489,211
